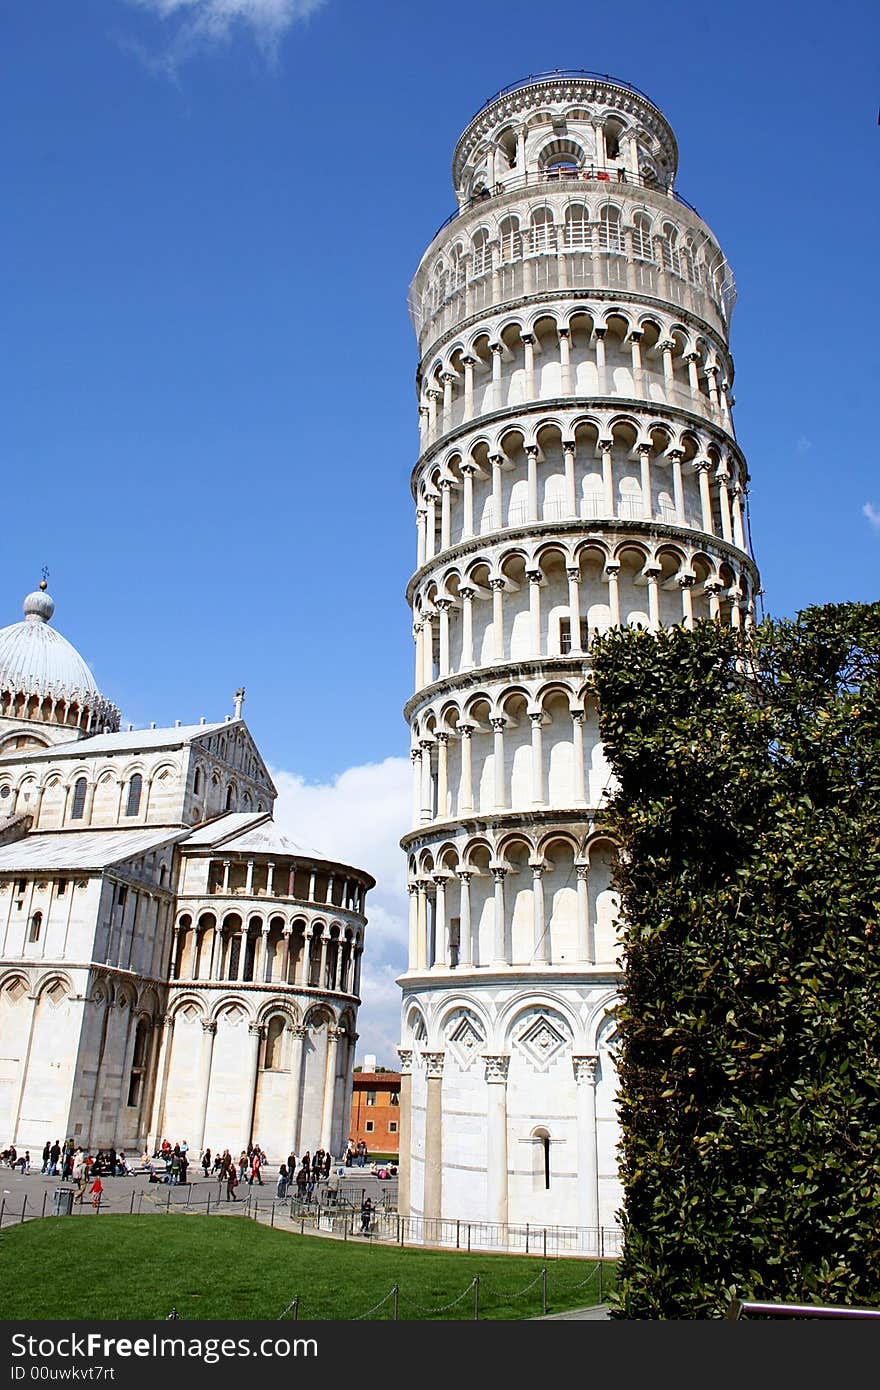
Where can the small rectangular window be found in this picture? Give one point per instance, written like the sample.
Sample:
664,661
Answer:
21,885
61,887
395,1097
369,1126
371,1097
392,1126
565,635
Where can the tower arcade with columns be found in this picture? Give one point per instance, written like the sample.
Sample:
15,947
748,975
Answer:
578,469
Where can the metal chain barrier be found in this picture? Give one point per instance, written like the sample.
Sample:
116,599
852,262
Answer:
431,1311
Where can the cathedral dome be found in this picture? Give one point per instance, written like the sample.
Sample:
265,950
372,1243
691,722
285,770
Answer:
43,677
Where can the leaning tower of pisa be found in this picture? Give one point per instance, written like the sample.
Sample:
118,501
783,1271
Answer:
578,469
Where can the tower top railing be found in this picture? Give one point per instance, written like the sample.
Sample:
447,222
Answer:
617,177
563,73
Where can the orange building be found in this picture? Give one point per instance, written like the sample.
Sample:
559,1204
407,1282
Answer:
375,1111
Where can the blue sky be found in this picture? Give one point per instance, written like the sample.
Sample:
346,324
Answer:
212,212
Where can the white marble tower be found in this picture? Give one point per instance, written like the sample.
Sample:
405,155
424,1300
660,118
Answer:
578,469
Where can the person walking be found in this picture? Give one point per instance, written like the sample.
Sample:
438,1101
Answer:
366,1216
281,1185
206,1162
46,1148
256,1166
231,1183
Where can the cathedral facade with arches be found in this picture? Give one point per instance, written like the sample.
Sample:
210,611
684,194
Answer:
170,964
578,469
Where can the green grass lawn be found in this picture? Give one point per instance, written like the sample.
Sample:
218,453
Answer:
228,1267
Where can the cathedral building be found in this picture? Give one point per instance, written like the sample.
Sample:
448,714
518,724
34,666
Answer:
578,469
170,964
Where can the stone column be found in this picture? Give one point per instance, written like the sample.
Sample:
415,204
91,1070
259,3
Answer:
250,1073
421,536
532,486
433,1208
442,774
499,934
445,513
585,945
270,879
705,496
333,1036
444,605
738,532
427,809
497,587
565,360
693,374
498,762
466,594
635,339
265,956
305,961
405,1133
676,456
724,500
163,1067
249,880
468,363
652,574
496,350
712,383
242,951
464,924
541,934
428,648
599,336
667,347
496,1138
534,578
496,461
413,951
536,720
588,1156
577,728
227,864
606,446
568,456
574,607
298,1034
467,472
441,925
611,573
422,926
686,583
528,341
466,795
644,453
203,1087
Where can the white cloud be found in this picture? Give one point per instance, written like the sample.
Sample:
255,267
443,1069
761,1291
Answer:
359,819
872,513
196,23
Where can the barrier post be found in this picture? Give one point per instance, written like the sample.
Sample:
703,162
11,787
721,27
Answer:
131,1204
527,1237
544,1291
45,1195
272,1217
23,1206
396,1292
476,1297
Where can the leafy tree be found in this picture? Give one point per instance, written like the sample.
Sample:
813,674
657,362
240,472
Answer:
747,808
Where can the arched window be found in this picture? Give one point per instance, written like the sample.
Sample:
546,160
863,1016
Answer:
135,787
543,230
577,227
669,250
642,237
274,1044
511,240
79,799
229,798
197,781
36,927
482,254
610,236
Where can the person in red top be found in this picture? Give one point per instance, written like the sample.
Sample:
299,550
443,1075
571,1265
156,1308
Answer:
256,1165
96,1190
